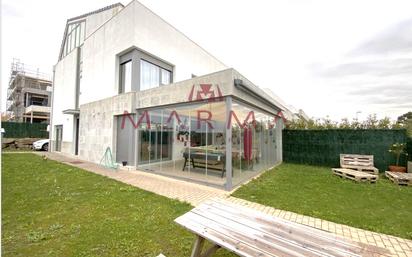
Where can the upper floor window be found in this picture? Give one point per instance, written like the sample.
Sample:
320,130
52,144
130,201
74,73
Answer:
74,36
126,77
152,75
139,71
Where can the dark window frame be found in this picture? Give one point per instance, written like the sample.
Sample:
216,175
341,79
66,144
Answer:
122,76
160,73
135,55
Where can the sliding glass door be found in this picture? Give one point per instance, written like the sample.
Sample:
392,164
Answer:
155,142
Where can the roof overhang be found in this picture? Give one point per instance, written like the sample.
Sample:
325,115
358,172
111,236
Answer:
245,88
71,111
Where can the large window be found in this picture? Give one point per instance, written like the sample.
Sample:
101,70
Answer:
185,141
255,140
140,71
152,75
126,77
74,37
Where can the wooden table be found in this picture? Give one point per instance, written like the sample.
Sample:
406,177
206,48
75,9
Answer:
247,232
214,158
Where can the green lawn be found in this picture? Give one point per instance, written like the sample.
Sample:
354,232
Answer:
314,191
52,209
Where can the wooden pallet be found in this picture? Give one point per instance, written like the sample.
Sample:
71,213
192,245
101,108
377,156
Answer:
355,175
358,162
400,178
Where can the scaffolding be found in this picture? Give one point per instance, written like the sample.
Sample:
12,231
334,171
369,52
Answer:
28,94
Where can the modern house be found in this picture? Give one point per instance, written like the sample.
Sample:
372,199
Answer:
28,94
128,81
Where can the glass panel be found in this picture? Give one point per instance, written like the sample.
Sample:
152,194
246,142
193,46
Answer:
254,143
149,75
82,31
189,141
185,141
72,41
65,48
77,35
69,43
126,77
166,77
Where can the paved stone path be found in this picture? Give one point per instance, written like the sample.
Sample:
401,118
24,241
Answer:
195,194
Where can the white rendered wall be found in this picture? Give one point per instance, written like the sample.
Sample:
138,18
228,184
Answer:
94,21
137,26
64,97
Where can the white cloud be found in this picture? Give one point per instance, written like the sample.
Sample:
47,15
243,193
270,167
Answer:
281,45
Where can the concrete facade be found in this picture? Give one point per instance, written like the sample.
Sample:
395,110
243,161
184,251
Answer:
87,105
97,128
109,34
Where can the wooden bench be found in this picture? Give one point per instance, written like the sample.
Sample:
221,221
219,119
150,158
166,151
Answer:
247,232
358,162
355,175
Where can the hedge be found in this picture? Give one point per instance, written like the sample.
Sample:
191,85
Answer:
22,130
323,147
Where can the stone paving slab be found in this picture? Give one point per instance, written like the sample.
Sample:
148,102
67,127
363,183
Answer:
195,194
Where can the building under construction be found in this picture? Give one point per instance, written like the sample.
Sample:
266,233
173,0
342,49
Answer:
29,94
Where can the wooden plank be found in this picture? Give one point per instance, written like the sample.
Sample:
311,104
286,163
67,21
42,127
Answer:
224,241
275,224
231,221
248,232
285,232
289,244
312,232
241,234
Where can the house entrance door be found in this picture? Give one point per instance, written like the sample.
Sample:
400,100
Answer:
58,137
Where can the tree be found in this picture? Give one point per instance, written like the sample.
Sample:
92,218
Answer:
405,117
405,121
5,116
372,122
345,124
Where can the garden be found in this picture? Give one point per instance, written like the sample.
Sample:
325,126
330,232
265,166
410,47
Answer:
52,209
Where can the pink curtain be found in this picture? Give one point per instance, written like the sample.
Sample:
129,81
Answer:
247,144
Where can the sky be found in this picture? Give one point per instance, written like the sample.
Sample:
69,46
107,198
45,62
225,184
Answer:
329,58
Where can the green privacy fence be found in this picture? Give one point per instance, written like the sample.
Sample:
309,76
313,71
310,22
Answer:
409,148
21,130
322,147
